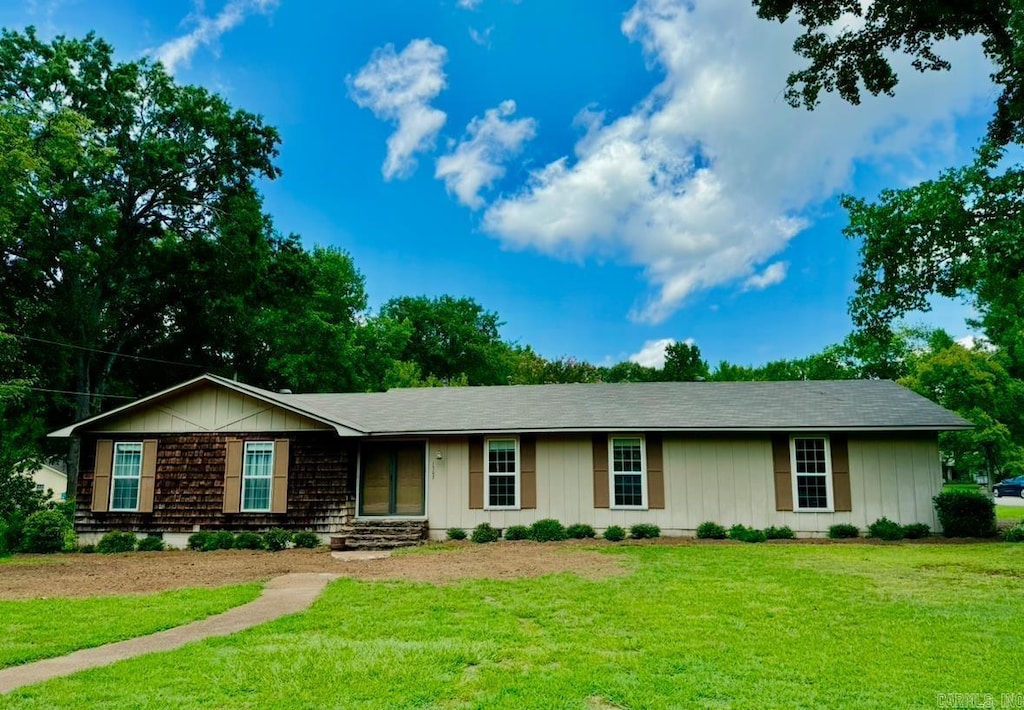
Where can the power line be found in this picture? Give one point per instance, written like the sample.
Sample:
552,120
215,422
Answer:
107,352
87,394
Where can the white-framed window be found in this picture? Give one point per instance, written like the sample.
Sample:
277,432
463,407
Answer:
628,471
811,459
501,473
126,475
40,488
257,476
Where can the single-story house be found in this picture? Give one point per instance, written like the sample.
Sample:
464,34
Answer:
50,478
212,453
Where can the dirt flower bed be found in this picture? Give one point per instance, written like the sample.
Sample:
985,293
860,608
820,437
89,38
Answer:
78,575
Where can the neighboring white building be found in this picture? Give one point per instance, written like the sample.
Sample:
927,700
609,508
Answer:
49,478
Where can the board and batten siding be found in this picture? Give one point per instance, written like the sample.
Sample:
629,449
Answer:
211,409
725,479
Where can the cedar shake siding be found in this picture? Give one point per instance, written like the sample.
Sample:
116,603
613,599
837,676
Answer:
188,487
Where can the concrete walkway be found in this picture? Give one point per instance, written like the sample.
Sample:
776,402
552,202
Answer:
283,595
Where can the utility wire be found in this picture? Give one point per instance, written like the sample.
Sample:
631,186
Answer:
87,394
107,352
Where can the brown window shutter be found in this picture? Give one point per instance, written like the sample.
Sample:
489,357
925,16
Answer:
147,484
279,490
233,476
783,473
527,472
842,500
476,472
655,472
101,475
601,471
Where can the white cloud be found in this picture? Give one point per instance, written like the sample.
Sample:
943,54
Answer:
774,273
708,178
481,37
477,160
399,88
208,30
652,354
469,4
975,342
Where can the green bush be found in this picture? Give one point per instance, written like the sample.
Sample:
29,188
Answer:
916,531
517,532
1015,534
222,540
11,532
151,543
745,534
484,533
547,530
711,531
305,539
644,531
842,531
966,514
885,529
456,534
248,541
783,533
615,533
117,541
200,541
580,531
276,539
44,531
87,549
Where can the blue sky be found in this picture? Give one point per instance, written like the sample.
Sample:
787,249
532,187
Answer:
607,176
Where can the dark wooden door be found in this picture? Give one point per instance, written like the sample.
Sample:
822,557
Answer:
392,480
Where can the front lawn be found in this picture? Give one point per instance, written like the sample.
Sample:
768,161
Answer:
1006,512
723,626
44,628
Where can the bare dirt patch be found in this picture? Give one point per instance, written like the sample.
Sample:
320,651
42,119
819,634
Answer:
78,575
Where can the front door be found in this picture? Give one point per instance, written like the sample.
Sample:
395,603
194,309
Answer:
392,479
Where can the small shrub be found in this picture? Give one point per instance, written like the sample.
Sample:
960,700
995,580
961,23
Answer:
644,531
966,513
842,531
305,539
916,531
222,540
615,533
517,532
711,531
248,541
485,533
456,534
151,543
745,534
547,530
276,539
783,533
580,531
885,529
1015,534
200,541
11,532
87,549
117,541
44,531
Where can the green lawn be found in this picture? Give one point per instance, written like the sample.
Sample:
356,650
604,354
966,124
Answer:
44,628
719,626
1006,512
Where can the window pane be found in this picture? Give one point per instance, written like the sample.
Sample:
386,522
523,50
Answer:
810,455
128,460
501,456
811,492
126,494
501,491
628,489
626,456
257,494
256,475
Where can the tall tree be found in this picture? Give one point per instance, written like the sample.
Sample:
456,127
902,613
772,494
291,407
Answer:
683,363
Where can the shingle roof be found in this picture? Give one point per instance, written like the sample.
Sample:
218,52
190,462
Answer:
700,406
